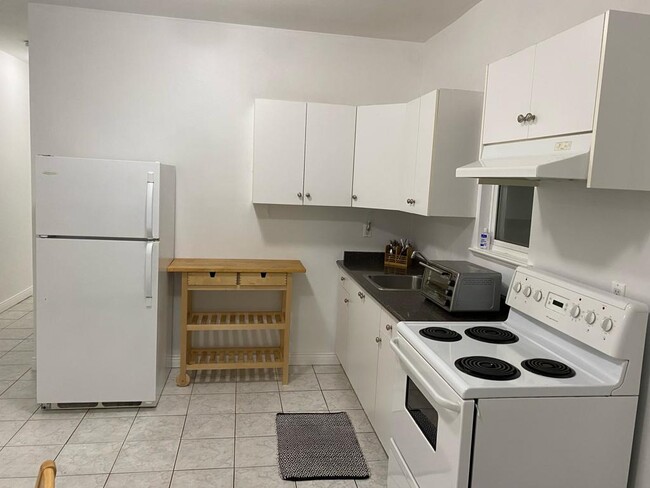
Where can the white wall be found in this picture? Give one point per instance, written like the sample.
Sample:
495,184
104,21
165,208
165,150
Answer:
115,85
15,186
592,235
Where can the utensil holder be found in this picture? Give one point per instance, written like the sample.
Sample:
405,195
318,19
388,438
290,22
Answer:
400,259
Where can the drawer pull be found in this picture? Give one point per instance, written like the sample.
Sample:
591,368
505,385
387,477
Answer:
213,274
263,274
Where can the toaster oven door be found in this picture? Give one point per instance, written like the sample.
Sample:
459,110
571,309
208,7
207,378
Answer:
437,284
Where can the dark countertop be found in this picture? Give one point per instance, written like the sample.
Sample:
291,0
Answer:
408,305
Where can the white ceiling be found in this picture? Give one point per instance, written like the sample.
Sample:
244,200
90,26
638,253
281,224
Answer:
408,20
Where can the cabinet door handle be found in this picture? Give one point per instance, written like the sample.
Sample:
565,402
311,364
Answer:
521,118
378,340
389,327
412,201
361,295
345,300
308,195
299,194
530,117
354,197
342,278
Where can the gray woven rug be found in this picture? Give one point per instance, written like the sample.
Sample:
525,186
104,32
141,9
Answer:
318,446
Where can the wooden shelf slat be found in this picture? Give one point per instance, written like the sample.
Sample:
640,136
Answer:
236,288
198,321
234,358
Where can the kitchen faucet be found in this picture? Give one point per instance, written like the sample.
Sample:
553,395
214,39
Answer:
422,257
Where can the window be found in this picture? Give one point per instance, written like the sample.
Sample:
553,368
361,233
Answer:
514,208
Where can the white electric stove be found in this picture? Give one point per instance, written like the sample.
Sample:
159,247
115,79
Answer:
546,398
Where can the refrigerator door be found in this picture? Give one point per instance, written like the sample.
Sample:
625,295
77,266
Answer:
96,320
96,198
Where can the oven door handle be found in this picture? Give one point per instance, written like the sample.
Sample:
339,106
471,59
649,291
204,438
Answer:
443,402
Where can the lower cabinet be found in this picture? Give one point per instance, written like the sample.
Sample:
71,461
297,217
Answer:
387,370
363,333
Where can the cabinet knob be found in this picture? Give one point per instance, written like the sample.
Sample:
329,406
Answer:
308,195
342,278
377,340
299,194
361,295
412,201
389,327
345,300
521,118
354,197
530,117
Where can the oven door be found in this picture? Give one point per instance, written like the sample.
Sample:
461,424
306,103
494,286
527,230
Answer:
432,426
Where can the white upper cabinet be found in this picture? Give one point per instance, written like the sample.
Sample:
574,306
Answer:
565,81
507,96
378,156
329,154
545,90
304,153
279,151
448,133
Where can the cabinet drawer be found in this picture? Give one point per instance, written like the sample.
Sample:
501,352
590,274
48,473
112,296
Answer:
263,279
212,279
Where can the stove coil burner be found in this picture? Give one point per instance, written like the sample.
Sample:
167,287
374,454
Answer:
493,335
548,367
487,368
440,334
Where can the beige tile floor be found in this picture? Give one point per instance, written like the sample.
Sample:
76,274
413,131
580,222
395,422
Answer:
219,432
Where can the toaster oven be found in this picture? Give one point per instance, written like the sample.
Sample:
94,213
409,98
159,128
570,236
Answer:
461,286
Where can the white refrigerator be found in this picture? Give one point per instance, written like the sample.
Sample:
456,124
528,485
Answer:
104,235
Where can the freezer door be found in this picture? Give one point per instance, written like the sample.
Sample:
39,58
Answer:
96,320
96,197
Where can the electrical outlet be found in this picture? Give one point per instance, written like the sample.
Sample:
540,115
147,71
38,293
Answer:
367,229
618,288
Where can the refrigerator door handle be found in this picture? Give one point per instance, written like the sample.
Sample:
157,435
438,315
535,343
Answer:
149,206
148,275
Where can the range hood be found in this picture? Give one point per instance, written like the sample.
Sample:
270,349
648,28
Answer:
564,158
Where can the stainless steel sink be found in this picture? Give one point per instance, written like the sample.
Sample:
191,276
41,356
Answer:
395,282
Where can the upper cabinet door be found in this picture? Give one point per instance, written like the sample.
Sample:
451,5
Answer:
507,96
329,154
423,162
408,155
279,152
565,81
377,158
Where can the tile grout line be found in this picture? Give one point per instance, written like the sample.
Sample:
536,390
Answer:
180,440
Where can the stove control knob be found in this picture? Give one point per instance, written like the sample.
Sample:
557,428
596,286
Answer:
517,287
590,318
538,296
575,311
607,325
527,291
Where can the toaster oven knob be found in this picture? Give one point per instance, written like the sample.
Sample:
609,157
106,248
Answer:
590,318
575,311
449,292
607,325
517,287
527,291
538,296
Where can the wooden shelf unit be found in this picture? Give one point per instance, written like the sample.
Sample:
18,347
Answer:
234,275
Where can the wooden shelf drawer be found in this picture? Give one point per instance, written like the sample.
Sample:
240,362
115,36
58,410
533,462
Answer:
211,279
262,279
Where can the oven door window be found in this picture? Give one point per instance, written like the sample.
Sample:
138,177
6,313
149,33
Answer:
422,412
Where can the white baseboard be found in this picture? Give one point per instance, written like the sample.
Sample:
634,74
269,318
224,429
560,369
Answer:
17,298
297,359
